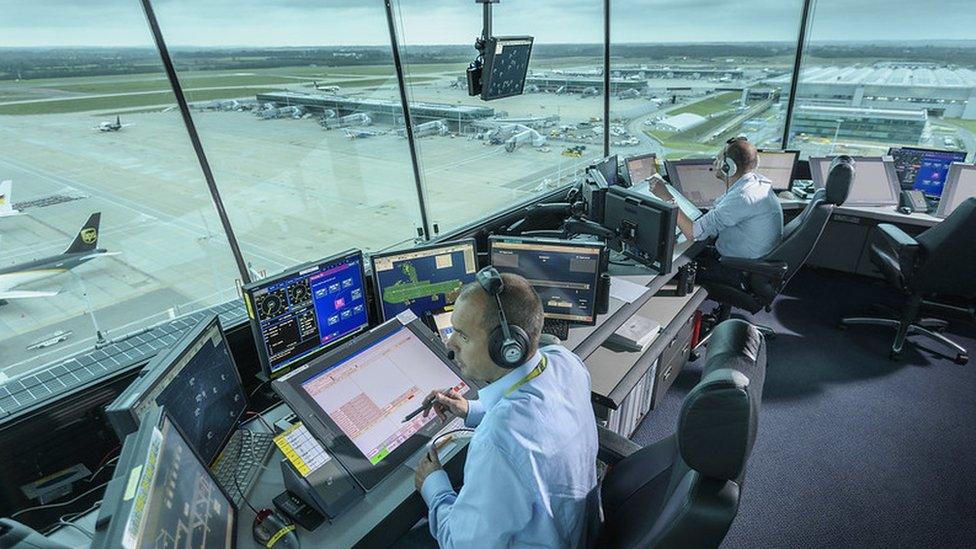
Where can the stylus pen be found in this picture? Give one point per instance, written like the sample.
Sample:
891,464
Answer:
414,413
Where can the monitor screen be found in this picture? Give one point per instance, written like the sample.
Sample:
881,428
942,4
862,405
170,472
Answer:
370,392
924,169
197,381
641,167
875,182
777,166
960,185
163,496
608,168
695,179
506,65
566,275
423,279
303,312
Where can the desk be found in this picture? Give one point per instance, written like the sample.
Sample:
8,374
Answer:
845,244
393,506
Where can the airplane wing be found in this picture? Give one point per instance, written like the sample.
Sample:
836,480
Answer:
24,294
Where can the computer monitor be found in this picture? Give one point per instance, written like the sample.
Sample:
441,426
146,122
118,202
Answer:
924,169
565,274
302,312
594,192
875,182
645,225
197,381
354,398
608,168
960,185
163,495
640,167
695,179
506,66
778,167
424,279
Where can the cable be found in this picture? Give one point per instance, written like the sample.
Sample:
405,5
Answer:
52,505
108,463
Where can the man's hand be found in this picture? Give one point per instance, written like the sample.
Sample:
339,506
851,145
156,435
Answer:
427,465
657,187
444,402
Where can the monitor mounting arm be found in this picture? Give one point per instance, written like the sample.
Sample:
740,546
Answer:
474,69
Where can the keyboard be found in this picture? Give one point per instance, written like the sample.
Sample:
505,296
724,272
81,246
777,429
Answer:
558,328
243,457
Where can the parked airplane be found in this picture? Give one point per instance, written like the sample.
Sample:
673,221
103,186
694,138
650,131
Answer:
6,202
361,134
112,126
81,250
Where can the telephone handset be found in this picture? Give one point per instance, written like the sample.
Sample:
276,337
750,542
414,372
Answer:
914,201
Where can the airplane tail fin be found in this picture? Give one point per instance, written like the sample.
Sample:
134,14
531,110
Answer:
6,203
87,238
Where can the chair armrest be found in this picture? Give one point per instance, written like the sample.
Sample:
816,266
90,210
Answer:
894,253
768,269
613,447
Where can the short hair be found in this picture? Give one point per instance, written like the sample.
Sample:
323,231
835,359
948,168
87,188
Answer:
521,304
743,153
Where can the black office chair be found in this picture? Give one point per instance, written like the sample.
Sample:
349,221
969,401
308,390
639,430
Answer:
684,490
765,277
941,260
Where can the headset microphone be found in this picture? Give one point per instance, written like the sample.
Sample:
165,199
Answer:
450,354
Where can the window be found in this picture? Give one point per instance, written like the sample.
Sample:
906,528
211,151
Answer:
479,157
88,125
686,76
903,82
293,105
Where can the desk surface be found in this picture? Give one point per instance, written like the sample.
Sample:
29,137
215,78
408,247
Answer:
391,507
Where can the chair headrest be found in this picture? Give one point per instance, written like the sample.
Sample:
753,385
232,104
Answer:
839,179
717,427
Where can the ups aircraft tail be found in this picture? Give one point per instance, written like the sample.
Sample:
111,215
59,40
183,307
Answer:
87,239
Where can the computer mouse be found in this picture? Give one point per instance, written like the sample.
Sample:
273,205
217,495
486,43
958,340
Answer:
907,210
787,195
272,530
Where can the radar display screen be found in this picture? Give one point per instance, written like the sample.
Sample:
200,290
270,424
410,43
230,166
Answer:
423,279
506,65
302,312
566,275
176,501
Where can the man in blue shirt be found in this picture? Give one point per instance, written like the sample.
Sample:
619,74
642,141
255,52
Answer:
747,221
531,463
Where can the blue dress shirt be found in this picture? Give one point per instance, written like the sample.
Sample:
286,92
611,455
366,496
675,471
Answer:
530,465
747,219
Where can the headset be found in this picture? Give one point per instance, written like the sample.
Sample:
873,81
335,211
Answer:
508,344
728,167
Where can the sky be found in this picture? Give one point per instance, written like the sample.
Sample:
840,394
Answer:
270,23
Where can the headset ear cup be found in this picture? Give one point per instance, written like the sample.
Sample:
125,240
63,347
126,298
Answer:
496,346
520,337
495,340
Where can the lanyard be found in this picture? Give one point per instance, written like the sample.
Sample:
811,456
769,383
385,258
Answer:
539,368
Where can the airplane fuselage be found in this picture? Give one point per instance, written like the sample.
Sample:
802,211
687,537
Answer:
41,269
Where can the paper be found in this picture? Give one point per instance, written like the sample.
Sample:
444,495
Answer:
625,290
302,450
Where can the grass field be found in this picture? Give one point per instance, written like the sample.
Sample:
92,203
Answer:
960,123
709,105
134,96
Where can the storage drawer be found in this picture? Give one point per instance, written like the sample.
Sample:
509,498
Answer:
672,360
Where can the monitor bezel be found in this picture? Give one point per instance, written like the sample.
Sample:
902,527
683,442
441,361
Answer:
601,268
116,508
247,291
151,376
489,62
329,434
671,166
796,161
923,150
657,165
949,189
820,179
616,174
378,293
